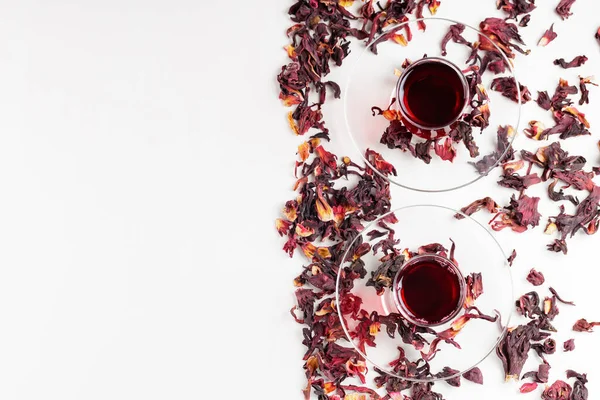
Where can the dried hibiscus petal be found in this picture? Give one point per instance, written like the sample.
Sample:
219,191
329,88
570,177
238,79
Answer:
569,345
574,63
518,182
487,202
549,36
454,34
580,392
474,375
559,390
583,325
539,376
544,101
503,34
585,92
508,87
555,294
513,349
514,8
535,278
564,8
512,257
518,215
536,129
528,387
447,372
560,194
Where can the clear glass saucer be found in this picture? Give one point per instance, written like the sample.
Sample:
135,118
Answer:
382,332
373,82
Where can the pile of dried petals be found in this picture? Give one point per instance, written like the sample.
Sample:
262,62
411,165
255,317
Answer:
336,197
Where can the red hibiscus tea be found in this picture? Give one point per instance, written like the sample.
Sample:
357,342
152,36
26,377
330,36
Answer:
432,93
429,290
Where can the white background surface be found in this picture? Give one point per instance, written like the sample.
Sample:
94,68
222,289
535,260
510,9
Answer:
143,158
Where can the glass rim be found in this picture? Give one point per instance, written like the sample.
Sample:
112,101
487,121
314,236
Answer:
504,324
351,70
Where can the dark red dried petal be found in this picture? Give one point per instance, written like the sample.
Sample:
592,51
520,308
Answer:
503,34
535,278
514,8
583,325
508,87
543,100
513,349
525,20
569,345
487,202
559,390
548,36
454,34
574,63
518,215
512,257
564,8
585,92
474,375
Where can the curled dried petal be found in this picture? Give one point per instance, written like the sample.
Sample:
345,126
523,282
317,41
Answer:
559,390
583,325
535,278
549,36
564,8
574,63
569,345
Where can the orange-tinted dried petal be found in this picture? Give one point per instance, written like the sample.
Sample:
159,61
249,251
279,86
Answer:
338,214
577,114
312,364
433,6
374,328
309,250
300,182
346,3
513,166
303,231
400,39
329,387
290,211
303,151
550,228
592,228
291,51
459,323
391,115
282,226
356,396
292,123
535,130
324,252
290,99
324,210
547,305
328,158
